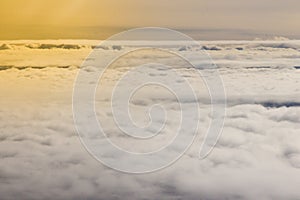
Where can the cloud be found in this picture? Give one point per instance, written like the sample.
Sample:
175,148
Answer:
257,156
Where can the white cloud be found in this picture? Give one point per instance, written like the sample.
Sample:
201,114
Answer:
257,157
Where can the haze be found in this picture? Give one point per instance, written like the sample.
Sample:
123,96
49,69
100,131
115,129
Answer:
22,18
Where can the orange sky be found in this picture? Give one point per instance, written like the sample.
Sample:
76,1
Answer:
277,16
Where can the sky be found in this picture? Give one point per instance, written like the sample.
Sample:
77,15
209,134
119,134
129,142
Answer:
36,17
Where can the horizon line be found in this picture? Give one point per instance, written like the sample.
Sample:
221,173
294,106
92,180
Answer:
43,32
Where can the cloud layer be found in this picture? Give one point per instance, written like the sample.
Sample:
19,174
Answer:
257,156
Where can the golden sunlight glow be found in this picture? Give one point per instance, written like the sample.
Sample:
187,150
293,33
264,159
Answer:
18,17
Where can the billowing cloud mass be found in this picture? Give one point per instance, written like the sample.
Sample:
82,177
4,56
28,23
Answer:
257,156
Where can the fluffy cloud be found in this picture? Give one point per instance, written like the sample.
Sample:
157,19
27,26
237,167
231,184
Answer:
257,156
